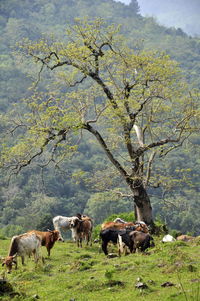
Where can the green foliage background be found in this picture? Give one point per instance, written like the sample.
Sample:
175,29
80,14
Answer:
83,184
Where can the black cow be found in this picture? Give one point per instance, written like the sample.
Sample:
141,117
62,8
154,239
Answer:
111,235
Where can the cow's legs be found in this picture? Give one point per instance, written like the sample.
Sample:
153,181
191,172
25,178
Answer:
74,234
104,247
60,235
36,256
57,228
22,257
48,250
90,238
15,262
87,238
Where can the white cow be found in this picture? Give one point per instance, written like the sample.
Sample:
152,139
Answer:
63,223
22,245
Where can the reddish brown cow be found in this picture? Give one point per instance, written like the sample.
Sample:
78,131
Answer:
48,238
139,226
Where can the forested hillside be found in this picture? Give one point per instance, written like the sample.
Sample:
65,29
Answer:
86,182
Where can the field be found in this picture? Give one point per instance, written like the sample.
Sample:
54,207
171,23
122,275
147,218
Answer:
169,271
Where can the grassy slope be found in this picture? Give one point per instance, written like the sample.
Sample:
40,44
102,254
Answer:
83,274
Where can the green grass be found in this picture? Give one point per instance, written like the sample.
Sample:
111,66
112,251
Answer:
88,275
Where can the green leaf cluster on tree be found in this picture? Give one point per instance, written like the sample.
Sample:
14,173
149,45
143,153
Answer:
129,103
88,178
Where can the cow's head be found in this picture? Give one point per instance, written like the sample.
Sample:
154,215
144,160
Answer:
75,221
9,261
79,215
141,226
55,235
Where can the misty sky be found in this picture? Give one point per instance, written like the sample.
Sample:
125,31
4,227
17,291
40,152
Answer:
182,14
124,1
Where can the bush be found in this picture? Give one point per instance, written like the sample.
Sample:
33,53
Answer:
160,228
127,216
96,231
175,233
11,230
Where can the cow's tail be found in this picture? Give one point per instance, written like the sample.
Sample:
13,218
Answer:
120,245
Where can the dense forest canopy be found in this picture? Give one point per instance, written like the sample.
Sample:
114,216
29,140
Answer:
86,181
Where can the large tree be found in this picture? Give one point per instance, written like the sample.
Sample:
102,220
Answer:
135,104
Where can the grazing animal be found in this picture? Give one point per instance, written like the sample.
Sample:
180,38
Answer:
62,223
141,240
82,229
9,261
22,245
185,238
114,235
48,239
139,226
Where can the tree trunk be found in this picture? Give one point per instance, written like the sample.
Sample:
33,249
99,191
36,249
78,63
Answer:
141,198
142,204
143,211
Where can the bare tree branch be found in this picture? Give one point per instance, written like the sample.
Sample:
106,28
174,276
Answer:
98,114
78,81
108,152
122,194
164,153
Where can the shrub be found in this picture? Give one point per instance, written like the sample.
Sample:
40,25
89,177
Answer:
127,216
11,230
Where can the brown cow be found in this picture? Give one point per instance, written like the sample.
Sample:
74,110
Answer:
139,226
141,240
185,238
82,229
48,238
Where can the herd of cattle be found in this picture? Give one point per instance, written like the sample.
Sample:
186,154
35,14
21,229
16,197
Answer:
126,235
